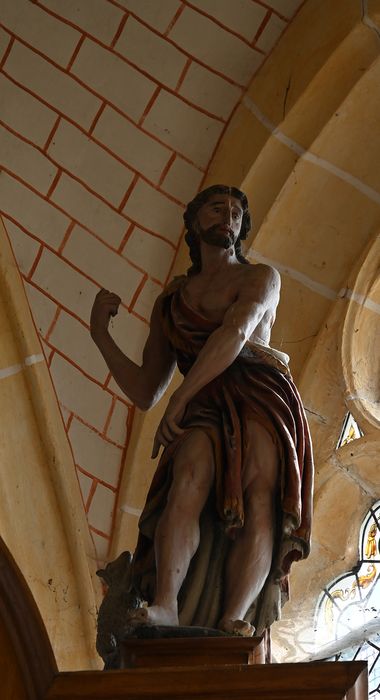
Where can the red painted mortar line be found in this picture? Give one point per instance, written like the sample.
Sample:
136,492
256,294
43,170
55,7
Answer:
268,7
108,419
107,381
70,420
97,117
54,252
82,182
49,361
98,432
152,233
53,184
59,304
203,110
52,326
17,177
167,168
262,26
183,74
128,192
112,106
137,292
123,58
125,239
156,281
119,30
70,361
36,260
66,237
96,478
51,135
220,24
174,19
7,51
90,495
173,43
59,208
69,263
99,532
75,52
122,400
149,105
141,318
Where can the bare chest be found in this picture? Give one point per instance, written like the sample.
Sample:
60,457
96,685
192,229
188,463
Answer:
211,298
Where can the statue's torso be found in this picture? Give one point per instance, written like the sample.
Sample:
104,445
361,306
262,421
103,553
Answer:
213,296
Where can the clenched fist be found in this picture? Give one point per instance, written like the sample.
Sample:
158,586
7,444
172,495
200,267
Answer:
106,304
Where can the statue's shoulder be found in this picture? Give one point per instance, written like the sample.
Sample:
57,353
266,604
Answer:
176,283
262,271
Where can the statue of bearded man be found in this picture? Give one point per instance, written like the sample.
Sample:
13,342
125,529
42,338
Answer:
229,508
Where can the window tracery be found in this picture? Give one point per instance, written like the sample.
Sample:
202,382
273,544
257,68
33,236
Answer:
348,610
350,431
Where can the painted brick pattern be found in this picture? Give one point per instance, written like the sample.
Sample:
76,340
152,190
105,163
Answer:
110,113
4,42
98,18
25,248
149,252
197,141
143,153
52,85
215,46
157,14
37,28
18,156
154,211
77,153
25,114
150,52
84,207
241,16
113,78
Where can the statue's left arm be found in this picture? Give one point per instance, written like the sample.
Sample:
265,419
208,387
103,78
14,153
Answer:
258,295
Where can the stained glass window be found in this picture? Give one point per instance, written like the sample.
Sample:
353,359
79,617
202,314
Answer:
348,611
350,430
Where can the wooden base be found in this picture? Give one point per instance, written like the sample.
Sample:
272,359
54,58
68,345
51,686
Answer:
201,651
210,668
313,681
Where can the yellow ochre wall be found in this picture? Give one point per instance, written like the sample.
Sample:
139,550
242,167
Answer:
41,517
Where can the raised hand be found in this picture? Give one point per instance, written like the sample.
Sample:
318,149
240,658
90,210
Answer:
105,306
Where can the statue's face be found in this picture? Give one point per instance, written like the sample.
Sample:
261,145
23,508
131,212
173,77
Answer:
219,220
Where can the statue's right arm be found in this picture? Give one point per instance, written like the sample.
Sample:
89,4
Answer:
144,384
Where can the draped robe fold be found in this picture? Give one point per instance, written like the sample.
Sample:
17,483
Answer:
257,385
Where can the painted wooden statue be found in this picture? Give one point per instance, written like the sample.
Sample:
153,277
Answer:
229,508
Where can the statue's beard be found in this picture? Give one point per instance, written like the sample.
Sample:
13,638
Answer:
214,236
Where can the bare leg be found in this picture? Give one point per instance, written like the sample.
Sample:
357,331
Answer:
177,533
250,556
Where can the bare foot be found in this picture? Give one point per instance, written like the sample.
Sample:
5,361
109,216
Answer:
154,615
240,628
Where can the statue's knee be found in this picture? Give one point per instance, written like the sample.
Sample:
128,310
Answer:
193,468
